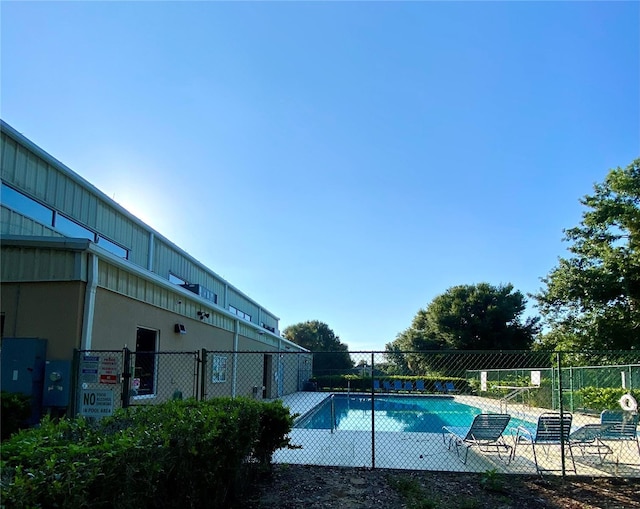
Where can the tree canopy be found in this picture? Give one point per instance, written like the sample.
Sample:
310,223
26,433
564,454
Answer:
330,355
592,297
465,317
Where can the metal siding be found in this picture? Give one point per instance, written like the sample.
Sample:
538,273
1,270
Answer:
120,281
121,230
42,179
9,148
139,244
52,185
48,182
167,259
251,333
240,302
19,174
14,223
23,264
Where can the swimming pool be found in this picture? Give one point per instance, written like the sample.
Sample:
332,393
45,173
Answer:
425,414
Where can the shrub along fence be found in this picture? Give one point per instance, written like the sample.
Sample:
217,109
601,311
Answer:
410,410
178,454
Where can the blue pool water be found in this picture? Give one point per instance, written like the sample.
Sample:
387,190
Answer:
393,413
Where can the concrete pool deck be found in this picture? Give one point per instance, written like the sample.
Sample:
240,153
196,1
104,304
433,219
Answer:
427,451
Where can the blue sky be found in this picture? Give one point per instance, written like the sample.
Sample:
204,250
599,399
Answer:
345,162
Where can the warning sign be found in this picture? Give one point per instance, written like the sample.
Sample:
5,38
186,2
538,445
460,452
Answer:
89,368
108,370
96,403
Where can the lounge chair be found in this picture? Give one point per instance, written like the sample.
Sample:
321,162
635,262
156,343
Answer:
386,385
614,426
397,385
552,429
485,433
376,385
449,387
420,385
408,386
439,387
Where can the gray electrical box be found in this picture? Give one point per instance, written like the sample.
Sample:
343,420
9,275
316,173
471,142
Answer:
57,384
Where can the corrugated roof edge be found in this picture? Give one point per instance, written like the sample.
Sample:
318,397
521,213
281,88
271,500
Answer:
20,138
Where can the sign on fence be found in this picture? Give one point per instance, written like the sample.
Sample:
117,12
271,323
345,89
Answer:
96,403
108,371
89,368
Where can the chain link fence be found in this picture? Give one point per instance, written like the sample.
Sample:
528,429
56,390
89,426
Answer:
509,412
106,380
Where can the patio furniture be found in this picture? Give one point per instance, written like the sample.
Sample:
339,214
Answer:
553,429
439,387
614,426
386,385
485,433
408,386
397,385
450,387
376,385
420,385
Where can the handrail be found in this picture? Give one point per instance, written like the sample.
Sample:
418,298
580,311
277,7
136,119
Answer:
514,392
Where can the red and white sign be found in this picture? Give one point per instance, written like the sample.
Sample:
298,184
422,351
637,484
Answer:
108,370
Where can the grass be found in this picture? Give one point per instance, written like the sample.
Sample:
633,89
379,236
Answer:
416,497
413,493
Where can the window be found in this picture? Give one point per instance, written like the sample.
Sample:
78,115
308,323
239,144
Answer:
112,247
72,229
270,329
26,206
35,210
144,375
219,374
241,314
176,280
201,291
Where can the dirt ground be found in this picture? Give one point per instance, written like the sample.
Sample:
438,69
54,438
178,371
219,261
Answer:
314,487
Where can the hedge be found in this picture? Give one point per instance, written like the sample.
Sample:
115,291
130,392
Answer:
177,454
598,398
364,384
16,409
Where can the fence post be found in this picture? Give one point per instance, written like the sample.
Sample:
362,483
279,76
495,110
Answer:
203,375
373,416
126,376
196,374
561,408
75,380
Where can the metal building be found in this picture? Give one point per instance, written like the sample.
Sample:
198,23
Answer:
80,271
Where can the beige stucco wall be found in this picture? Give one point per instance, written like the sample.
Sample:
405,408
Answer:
54,311
117,319
49,310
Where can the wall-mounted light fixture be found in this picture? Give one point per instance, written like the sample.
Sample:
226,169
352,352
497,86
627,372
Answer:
203,315
180,328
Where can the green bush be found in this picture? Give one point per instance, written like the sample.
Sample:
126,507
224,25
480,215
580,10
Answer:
599,398
16,409
538,397
177,454
363,384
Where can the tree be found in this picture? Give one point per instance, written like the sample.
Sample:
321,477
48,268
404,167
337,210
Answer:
330,355
465,317
592,298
